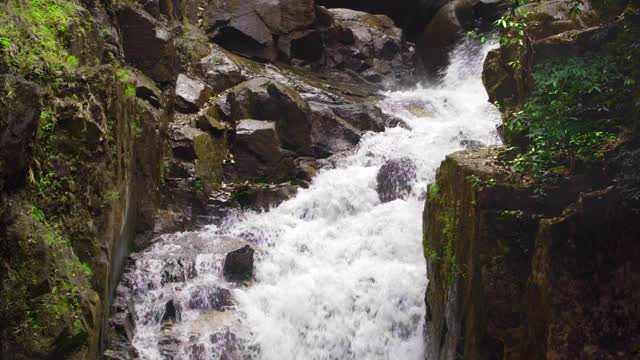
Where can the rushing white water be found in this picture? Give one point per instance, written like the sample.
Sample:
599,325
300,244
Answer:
340,275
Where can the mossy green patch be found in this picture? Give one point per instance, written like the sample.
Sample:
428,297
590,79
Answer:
35,34
44,290
211,152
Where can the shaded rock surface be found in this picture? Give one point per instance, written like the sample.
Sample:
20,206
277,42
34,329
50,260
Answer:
395,179
238,265
519,278
19,115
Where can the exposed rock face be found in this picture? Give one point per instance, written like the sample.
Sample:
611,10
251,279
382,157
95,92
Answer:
191,94
148,44
395,179
258,154
411,15
265,99
553,33
128,168
369,46
238,266
513,277
19,114
249,27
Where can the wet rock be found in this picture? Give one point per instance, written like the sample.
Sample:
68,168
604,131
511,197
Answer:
265,197
181,136
248,27
370,47
216,298
221,71
395,179
19,115
362,116
211,152
171,313
498,78
191,94
147,90
265,99
411,15
169,346
443,32
330,134
178,270
472,144
147,44
238,265
258,154
226,345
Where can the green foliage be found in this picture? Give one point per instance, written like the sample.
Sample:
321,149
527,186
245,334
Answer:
130,91
33,34
576,109
43,291
475,181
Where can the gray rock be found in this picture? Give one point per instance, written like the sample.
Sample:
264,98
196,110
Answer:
238,265
395,179
472,144
147,90
265,99
249,26
147,44
258,154
330,134
221,72
265,197
191,94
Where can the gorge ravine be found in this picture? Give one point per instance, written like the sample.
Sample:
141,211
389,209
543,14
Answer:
339,274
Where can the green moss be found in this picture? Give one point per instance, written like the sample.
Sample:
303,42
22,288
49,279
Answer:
210,152
35,35
44,290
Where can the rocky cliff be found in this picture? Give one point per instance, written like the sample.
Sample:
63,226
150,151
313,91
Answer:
530,247
124,120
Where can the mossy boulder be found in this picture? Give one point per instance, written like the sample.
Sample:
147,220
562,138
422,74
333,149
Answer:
211,152
478,241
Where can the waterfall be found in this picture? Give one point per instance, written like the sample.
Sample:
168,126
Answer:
338,273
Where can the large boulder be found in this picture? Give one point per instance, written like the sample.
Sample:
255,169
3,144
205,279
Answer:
191,94
337,128
395,179
19,114
258,154
330,134
147,44
411,15
265,99
248,27
222,70
238,265
358,47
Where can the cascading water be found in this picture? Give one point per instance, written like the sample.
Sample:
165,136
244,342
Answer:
339,274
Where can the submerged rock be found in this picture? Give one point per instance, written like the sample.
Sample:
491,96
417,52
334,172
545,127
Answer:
215,298
395,179
238,265
171,313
